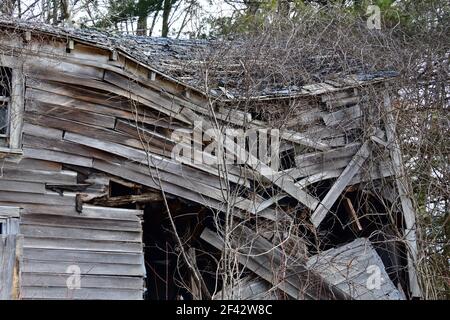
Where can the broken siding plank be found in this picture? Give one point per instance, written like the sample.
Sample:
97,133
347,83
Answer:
147,136
145,158
340,184
189,194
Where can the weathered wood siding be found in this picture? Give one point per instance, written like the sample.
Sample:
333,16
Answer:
104,243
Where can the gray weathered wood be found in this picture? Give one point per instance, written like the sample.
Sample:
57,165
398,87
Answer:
340,184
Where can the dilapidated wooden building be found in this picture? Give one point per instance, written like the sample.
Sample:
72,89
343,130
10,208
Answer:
91,194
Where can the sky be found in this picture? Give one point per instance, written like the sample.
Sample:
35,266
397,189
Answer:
217,8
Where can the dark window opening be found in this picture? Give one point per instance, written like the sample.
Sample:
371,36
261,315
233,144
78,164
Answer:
5,97
168,277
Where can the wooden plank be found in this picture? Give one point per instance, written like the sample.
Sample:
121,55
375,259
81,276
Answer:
83,94
96,268
89,212
21,186
105,103
7,262
71,113
333,194
66,255
118,90
79,233
80,221
284,182
343,117
10,211
126,200
189,194
145,135
42,67
117,213
60,145
304,140
42,132
144,92
68,96
94,132
403,191
62,177
80,244
57,156
17,106
87,281
32,164
311,159
80,294
47,198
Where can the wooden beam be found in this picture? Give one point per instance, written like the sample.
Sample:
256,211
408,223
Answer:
406,203
130,199
346,176
351,212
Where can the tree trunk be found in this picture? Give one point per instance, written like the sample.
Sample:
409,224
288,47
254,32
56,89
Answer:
155,17
66,12
142,25
54,12
167,8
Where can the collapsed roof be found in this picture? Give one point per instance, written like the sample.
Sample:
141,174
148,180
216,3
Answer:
233,69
